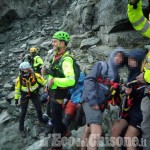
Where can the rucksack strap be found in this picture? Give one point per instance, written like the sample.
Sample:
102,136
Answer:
20,78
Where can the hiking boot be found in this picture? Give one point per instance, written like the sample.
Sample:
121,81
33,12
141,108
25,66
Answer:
22,134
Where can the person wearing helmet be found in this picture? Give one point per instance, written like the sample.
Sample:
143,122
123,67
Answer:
26,87
144,77
60,78
137,18
34,59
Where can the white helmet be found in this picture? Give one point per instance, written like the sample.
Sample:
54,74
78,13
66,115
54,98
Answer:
24,65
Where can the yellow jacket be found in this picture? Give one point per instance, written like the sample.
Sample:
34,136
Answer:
139,22
147,68
68,71
28,85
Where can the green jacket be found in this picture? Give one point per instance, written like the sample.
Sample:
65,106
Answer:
139,22
37,64
68,77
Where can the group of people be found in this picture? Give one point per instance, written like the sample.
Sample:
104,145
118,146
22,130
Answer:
61,80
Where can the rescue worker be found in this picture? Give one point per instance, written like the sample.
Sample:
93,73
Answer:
61,78
145,105
131,115
94,94
137,18
26,87
34,59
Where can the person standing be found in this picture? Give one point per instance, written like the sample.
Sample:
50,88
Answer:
94,94
26,88
61,77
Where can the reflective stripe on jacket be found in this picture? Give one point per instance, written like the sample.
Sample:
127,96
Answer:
139,22
28,85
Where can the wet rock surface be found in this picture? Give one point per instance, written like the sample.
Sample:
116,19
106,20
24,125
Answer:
96,28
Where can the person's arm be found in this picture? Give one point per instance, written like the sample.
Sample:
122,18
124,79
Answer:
17,89
40,79
138,20
90,84
147,76
69,79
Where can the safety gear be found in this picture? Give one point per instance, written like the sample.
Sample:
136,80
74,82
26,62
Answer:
147,68
63,72
33,50
62,36
139,22
28,85
24,66
147,75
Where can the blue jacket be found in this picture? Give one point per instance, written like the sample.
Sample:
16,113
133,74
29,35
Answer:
91,90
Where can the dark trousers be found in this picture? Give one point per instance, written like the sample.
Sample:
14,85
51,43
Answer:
24,105
56,112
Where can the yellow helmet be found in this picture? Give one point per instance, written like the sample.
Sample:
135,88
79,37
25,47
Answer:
33,50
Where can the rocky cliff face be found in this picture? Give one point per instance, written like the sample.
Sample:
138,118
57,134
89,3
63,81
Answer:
96,27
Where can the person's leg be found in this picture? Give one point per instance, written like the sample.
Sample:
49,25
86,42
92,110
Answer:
131,132
93,132
37,105
85,136
145,125
117,128
57,118
96,132
59,128
24,105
